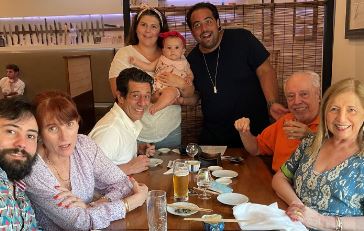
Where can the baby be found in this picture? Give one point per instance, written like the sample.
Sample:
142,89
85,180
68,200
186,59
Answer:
172,60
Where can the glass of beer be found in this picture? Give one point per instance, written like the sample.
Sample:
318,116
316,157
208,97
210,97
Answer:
180,180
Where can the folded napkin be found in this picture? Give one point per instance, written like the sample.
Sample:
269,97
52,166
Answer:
170,171
221,188
264,217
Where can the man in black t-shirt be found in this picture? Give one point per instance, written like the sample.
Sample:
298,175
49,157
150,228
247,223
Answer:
233,78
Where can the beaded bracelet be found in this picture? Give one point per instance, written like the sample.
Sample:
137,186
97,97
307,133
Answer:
339,224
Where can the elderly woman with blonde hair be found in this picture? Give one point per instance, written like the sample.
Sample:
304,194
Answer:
323,181
70,168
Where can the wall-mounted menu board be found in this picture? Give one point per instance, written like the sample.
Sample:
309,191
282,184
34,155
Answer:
79,74
79,78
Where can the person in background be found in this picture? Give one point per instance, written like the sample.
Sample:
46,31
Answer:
172,60
322,182
281,139
11,85
116,133
71,169
163,128
232,76
18,144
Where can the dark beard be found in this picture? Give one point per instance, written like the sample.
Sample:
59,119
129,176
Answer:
16,169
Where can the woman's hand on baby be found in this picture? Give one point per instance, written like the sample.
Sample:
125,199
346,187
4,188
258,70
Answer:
67,199
170,79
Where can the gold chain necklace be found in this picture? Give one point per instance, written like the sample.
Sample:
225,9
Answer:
214,83
54,167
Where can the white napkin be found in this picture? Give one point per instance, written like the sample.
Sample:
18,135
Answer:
170,171
264,217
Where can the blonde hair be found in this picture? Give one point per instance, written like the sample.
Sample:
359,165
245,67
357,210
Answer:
343,86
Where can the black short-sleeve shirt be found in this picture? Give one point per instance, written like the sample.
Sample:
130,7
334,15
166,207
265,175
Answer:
238,88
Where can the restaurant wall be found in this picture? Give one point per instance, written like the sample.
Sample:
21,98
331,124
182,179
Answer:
22,8
348,54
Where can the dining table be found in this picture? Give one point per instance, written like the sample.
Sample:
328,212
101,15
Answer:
254,181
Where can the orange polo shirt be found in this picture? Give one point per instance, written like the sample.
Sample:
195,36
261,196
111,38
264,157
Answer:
274,141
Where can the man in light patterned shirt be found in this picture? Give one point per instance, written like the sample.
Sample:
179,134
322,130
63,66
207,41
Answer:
18,144
11,85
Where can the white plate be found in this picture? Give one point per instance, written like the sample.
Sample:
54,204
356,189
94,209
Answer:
224,180
173,210
154,162
232,198
225,173
164,150
214,168
176,150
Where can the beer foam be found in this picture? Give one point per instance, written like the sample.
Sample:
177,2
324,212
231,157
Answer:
181,173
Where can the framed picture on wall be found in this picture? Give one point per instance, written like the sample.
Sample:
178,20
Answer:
354,24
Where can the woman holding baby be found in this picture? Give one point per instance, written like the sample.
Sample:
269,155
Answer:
163,127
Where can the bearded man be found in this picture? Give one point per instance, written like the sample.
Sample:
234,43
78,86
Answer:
18,145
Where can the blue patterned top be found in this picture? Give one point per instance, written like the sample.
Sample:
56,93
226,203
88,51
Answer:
16,213
336,192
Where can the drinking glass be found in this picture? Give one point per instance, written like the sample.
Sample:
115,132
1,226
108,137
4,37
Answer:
157,210
180,180
204,180
192,150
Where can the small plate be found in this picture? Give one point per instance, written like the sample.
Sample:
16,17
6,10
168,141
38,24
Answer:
214,168
164,150
176,150
225,173
232,198
184,214
224,180
154,162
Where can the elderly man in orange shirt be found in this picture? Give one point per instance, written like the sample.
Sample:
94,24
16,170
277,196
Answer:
281,139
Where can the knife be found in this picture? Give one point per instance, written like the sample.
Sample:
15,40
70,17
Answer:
46,30
6,36
87,33
102,26
72,34
81,33
65,33
17,34
97,36
24,33
92,32
60,33
55,31
41,33
78,33
37,33
11,36
51,35
30,33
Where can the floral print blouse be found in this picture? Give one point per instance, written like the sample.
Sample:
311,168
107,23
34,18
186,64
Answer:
336,192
